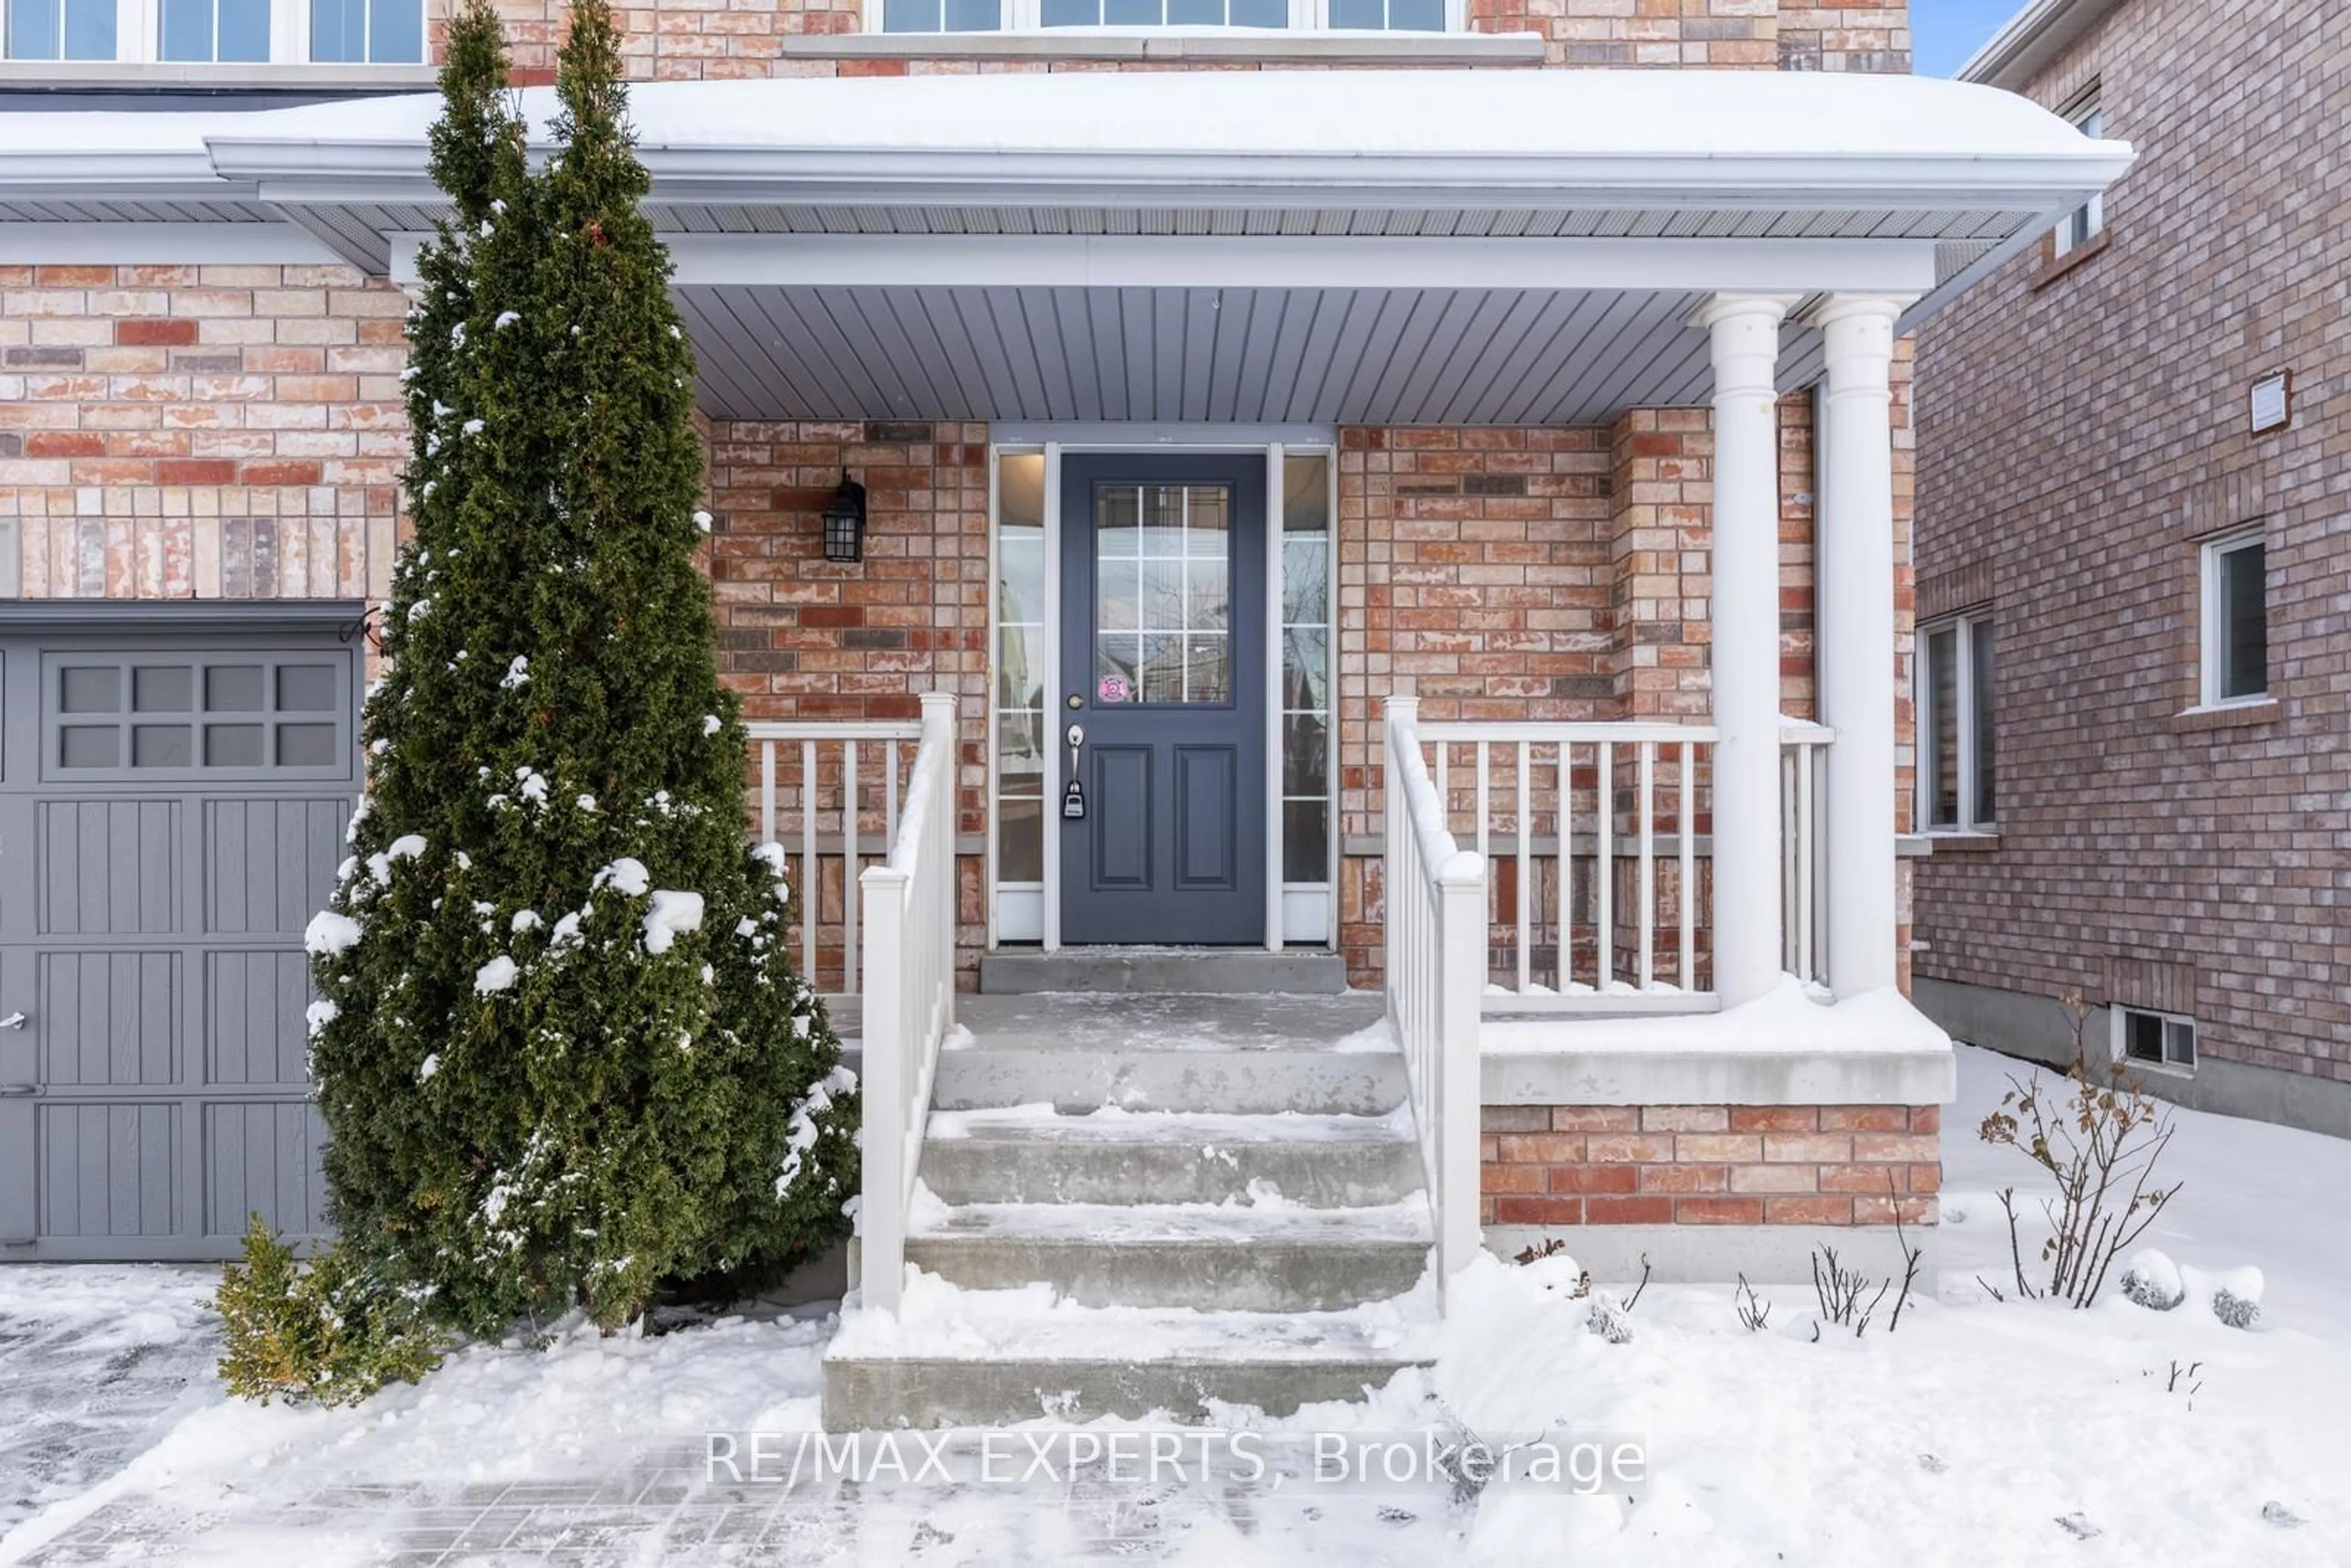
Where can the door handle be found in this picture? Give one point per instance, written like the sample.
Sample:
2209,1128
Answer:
15,1021
19,1091
1073,795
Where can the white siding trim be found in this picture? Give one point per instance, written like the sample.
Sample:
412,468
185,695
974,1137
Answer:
161,245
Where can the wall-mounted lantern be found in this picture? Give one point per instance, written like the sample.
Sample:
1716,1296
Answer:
844,521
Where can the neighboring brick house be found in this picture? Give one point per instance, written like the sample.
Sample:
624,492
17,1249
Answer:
1509,384
2134,488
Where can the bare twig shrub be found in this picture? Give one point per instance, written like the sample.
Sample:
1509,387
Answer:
1840,1290
1754,1312
1634,1299
1911,1258
2100,1142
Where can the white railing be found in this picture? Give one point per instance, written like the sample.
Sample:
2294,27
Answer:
1597,829
829,792
909,999
1435,973
1803,819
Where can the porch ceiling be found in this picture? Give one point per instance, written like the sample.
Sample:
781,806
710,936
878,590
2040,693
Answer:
1260,248
1339,356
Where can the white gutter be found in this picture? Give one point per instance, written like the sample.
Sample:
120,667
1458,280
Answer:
381,172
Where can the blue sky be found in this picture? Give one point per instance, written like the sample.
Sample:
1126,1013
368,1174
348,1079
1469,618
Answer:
1948,31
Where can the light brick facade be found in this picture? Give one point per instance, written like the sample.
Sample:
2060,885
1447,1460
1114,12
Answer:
2084,426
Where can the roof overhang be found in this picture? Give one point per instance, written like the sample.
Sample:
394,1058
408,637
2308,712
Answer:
892,227
2032,40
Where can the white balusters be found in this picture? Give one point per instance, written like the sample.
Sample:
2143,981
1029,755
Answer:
834,800
1588,847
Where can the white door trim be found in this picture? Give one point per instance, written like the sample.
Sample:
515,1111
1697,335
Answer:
1274,442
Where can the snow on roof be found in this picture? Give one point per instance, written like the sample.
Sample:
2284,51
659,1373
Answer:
1669,114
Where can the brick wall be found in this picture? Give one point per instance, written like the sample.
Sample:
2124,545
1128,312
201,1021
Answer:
1711,1164
802,637
708,39
1561,574
218,431
2083,427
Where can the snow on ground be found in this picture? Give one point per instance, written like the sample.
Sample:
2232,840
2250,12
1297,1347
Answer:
1978,1434
95,1364
2256,1193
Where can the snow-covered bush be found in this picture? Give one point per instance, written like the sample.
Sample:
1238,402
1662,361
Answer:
2233,1294
2101,1142
332,1333
2152,1279
563,1054
1610,1319
1553,1268
2234,1310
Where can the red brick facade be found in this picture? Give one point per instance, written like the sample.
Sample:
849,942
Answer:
2085,425
1711,1164
213,431
705,40
236,431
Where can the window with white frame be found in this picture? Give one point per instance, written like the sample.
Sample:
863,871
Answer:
61,30
1956,775
2086,222
1030,15
2235,657
2155,1039
366,31
228,31
216,32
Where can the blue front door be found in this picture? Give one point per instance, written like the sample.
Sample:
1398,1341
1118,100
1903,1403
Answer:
1162,656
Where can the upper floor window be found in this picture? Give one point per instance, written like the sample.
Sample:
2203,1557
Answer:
2089,220
382,31
2235,655
61,29
1029,15
223,32
1955,728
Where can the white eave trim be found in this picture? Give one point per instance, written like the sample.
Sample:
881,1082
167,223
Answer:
162,245
1279,261
317,171
2031,38
127,173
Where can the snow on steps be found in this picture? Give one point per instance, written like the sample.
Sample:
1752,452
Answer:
958,1357
1220,1205
1035,1155
1208,1255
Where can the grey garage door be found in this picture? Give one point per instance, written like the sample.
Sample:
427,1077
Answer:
174,784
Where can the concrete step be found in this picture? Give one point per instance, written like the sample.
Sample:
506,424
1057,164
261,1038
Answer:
1220,971
1235,1082
1227,1258
866,1392
1032,1155
985,1358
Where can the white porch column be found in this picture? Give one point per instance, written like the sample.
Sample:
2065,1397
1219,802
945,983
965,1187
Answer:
1745,329
1855,656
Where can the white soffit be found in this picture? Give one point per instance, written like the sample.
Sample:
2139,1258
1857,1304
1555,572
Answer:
1321,356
